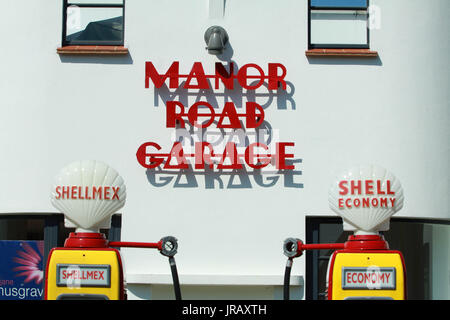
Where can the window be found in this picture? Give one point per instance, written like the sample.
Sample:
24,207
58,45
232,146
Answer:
338,24
25,243
93,22
47,228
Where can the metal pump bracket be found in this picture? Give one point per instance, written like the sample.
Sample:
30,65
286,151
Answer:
291,248
169,246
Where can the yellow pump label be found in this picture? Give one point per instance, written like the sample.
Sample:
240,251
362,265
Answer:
367,275
83,274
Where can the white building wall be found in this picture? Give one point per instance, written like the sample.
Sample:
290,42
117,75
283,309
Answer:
392,111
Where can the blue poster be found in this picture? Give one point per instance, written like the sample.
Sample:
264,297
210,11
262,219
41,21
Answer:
21,270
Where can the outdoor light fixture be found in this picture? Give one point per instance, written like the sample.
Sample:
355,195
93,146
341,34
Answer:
216,38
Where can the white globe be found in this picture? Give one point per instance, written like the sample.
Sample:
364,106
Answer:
377,195
88,193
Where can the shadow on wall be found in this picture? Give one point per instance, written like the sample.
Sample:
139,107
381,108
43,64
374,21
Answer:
235,179
284,98
346,61
97,59
227,53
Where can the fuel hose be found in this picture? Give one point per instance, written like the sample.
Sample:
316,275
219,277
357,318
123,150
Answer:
176,281
290,250
287,279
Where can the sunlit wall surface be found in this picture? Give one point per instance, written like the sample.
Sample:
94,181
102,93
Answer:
391,110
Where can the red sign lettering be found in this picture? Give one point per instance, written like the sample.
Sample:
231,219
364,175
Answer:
368,278
366,202
365,188
83,275
201,114
274,77
175,113
357,187
87,192
229,159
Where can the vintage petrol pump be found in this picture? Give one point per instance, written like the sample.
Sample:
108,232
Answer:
363,267
89,267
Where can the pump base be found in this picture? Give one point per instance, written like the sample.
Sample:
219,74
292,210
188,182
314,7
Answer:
86,240
366,242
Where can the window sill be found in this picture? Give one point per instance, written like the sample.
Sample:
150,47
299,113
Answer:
364,53
92,50
213,279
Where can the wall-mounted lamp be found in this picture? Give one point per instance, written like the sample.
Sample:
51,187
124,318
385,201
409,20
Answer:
216,38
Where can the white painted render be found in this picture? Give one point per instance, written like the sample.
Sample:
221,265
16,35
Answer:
392,111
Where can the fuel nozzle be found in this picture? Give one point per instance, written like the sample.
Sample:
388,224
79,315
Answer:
169,246
291,248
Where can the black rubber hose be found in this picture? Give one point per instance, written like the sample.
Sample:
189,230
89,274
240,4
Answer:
287,279
176,281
